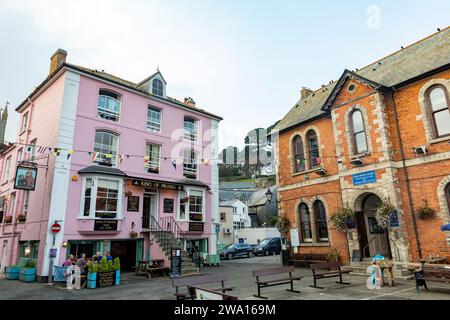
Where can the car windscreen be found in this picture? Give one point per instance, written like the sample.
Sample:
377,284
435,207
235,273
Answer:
264,242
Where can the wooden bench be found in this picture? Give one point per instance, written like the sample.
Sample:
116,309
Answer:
435,272
333,269
177,283
308,259
275,282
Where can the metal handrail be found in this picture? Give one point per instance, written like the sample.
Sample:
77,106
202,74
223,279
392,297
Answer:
366,246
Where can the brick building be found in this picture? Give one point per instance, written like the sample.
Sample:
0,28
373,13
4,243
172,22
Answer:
378,134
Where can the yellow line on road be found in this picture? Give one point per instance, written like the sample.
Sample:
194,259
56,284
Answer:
387,294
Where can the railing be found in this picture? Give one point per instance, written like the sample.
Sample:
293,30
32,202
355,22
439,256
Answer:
367,246
169,225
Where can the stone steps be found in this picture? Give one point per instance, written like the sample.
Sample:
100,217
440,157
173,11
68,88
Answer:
399,270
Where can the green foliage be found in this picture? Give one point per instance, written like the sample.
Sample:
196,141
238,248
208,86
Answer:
29,264
282,224
272,222
333,255
116,264
341,217
93,267
425,211
104,267
110,266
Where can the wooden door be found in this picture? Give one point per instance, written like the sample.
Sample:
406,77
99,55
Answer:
362,234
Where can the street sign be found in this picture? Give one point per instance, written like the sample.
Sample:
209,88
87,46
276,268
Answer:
56,228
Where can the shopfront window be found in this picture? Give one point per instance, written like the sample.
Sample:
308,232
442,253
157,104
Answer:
28,250
102,198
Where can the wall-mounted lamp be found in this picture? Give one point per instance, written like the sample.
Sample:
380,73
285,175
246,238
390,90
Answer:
74,178
64,244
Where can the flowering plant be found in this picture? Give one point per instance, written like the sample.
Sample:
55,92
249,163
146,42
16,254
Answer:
383,214
341,218
425,211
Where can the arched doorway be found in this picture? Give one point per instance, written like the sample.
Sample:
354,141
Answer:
372,238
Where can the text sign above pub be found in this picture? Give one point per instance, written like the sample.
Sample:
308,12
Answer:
156,184
196,226
105,225
364,178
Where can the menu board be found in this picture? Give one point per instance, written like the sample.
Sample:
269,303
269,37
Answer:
168,205
133,204
105,279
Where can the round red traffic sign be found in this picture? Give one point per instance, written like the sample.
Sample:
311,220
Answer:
56,228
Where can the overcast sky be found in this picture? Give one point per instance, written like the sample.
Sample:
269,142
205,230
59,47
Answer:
244,60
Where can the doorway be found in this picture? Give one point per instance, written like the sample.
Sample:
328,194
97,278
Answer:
4,255
126,252
372,238
150,209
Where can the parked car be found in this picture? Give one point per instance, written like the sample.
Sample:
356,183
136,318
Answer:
236,250
268,246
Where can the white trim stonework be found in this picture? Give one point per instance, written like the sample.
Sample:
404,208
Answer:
348,130
444,210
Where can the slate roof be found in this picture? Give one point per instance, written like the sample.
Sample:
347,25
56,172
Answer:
259,198
102,170
419,58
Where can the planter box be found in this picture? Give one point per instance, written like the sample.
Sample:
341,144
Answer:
91,280
106,279
12,273
27,274
117,277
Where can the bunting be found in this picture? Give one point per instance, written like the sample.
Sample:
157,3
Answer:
69,154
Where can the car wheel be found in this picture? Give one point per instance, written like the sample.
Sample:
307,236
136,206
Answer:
230,256
250,254
266,253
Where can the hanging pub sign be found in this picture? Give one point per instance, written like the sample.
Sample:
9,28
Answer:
25,178
133,204
156,184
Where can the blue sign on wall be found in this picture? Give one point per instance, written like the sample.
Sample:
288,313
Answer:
364,178
393,219
217,228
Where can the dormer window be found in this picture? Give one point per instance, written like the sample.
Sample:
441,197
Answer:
190,129
158,88
108,105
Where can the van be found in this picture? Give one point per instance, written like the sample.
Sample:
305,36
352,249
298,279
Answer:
268,246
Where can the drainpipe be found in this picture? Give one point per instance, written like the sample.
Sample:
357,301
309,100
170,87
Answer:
405,170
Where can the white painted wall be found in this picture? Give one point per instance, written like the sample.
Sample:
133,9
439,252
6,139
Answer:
252,235
215,218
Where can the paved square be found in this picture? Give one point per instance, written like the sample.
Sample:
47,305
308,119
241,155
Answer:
239,272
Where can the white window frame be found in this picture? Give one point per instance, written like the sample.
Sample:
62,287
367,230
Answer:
104,111
12,202
7,171
188,191
24,124
19,155
25,202
92,209
188,135
114,156
162,87
156,163
151,125
193,161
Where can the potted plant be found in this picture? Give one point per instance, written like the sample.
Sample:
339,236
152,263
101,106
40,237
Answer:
133,234
12,272
425,211
383,214
93,268
21,217
333,255
153,170
106,275
8,219
117,270
342,219
28,272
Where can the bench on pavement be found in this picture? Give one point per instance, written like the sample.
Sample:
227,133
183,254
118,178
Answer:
431,272
191,281
264,283
327,270
308,259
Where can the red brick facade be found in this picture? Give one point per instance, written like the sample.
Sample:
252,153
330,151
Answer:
404,179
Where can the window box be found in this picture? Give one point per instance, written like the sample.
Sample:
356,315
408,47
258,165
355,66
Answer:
196,217
153,170
21,218
8,219
190,175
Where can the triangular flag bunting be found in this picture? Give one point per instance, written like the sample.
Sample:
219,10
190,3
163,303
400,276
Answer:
69,154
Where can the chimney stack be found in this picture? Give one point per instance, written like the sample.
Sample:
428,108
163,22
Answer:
189,101
305,92
57,59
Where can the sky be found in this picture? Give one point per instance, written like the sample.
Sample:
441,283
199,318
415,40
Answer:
244,60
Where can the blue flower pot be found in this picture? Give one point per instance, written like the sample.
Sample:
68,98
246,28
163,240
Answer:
27,274
117,277
91,280
12,273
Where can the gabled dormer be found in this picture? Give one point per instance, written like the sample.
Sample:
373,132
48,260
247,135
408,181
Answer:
155,85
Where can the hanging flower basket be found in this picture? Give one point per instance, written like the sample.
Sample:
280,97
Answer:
21,217
383,214
133,234
128,194
8,219
343,219
425,211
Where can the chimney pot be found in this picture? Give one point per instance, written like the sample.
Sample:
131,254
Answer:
57,59
189,101
305,92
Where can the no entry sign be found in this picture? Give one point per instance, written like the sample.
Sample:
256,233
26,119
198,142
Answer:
56,228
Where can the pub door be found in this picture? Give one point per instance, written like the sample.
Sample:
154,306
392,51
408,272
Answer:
126,252
150,210
362,234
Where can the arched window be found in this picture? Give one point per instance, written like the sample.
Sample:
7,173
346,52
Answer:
320,217
158,87
106,148
299,154
108,106
313,146
438,101
447,195
305,223
358,132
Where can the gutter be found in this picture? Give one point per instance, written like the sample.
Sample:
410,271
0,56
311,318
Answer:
405,171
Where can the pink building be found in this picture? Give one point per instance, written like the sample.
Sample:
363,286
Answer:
120,166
